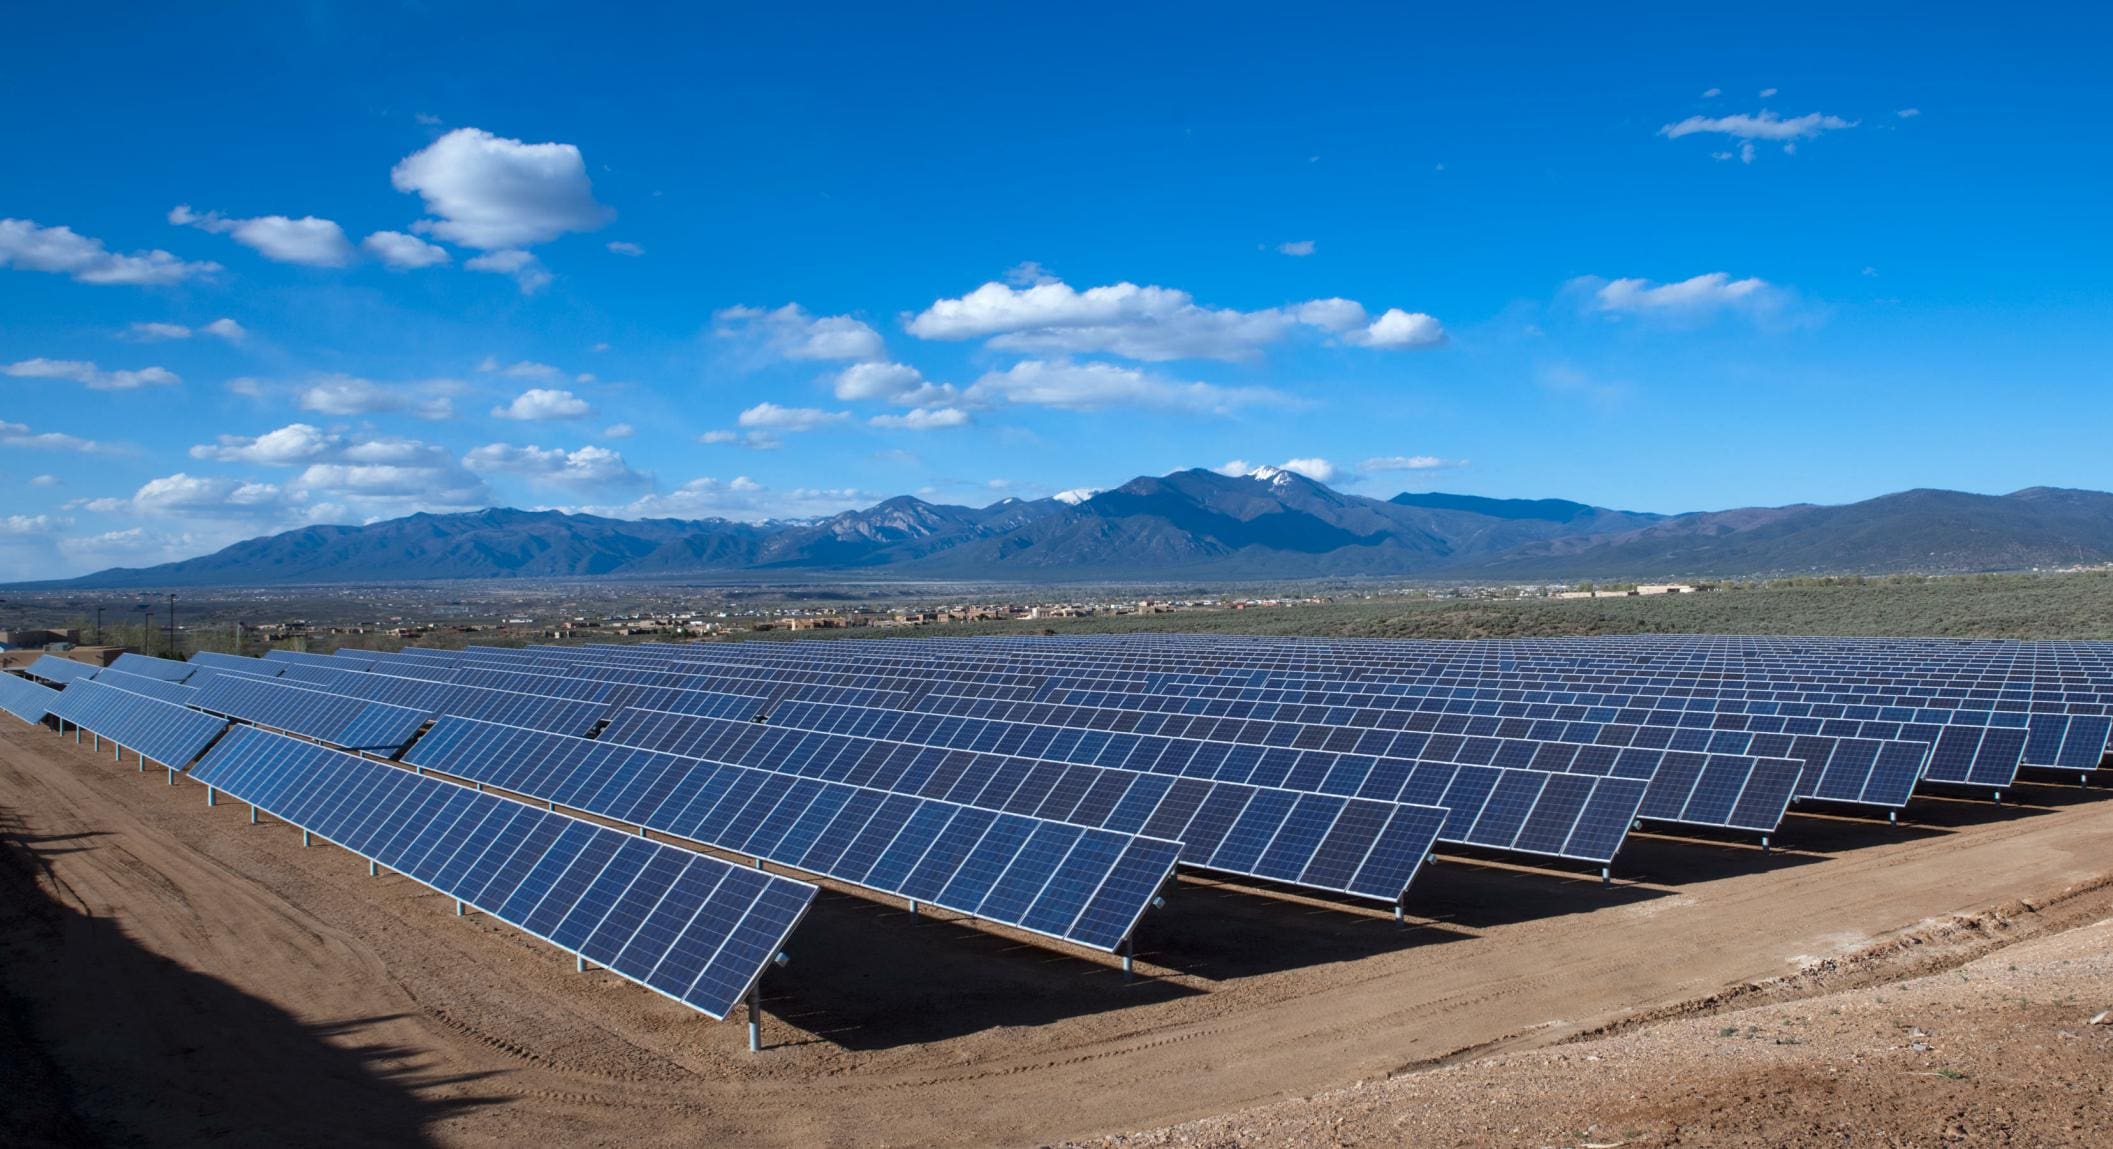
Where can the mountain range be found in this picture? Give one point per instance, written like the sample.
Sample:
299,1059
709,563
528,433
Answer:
1267,524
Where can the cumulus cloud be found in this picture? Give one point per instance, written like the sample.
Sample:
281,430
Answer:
1399,330
1908,113
771,417
544,403
712,438
922,419
199,496
18,435
287,446
529,273
1296,247
46,481
587,468
897,383
350,395
622,247
228,329
1146,323
307,240
1697,296
402,252
91,376
789,332
1763,126
490,193
1100,386
618,431
62,251
522,369
1318,469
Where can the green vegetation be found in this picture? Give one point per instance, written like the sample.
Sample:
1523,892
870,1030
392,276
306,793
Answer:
2078,605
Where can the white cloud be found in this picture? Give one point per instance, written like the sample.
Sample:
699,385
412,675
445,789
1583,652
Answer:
1399,330
1766,126
1908,113
1699,295
618,431
897,383
288,446
200,496
1408,463
89,375
789,332
715,437
29,524
523,266
1767,92
1296,247
622,247
489,192
923,419
228,329
771,417
18,435
543,403
307,240
62,251
588,467
1712,93
350,395
1233,468
47,481
1147,323
150,332
1317,469
1098,386
403,252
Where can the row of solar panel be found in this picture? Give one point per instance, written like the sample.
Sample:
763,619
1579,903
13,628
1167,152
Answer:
1087,887
695,928
162,731
351,723
1242,825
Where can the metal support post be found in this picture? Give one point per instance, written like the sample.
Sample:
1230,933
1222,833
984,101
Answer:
759,861
458,907
1764,845
913,907
1999,797
1606,876
1892,817
95,742
579,964
755,1018
172,775
1401,917
253,814
212,796
373,868
304,839
1129,960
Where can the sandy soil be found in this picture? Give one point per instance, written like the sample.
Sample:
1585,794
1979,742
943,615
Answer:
176,974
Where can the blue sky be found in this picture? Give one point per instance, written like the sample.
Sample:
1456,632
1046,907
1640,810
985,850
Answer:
298,263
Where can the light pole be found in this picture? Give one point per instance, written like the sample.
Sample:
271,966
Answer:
171,651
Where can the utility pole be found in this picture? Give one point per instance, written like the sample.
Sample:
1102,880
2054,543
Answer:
171,652
99,624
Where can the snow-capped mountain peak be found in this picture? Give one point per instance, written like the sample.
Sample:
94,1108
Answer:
1076,495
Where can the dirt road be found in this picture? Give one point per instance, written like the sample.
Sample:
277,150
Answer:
184,974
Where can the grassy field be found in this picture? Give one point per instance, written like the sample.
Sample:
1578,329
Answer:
1979,606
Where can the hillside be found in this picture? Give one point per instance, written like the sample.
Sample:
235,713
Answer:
1268,524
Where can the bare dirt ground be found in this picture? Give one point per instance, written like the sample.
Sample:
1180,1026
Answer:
172,974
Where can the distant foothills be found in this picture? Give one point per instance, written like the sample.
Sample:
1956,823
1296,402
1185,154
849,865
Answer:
1269,524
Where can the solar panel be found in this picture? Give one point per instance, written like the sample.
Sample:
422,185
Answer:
1977,756
352,723
29,701
511,708
213,658
693,928
169,734
60,670
1063,881
160,688
148,666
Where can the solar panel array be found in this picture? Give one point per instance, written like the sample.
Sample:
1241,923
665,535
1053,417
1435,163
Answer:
160,688
694,928
162,731
52,668
148,666
29,701
1084,886
351,723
